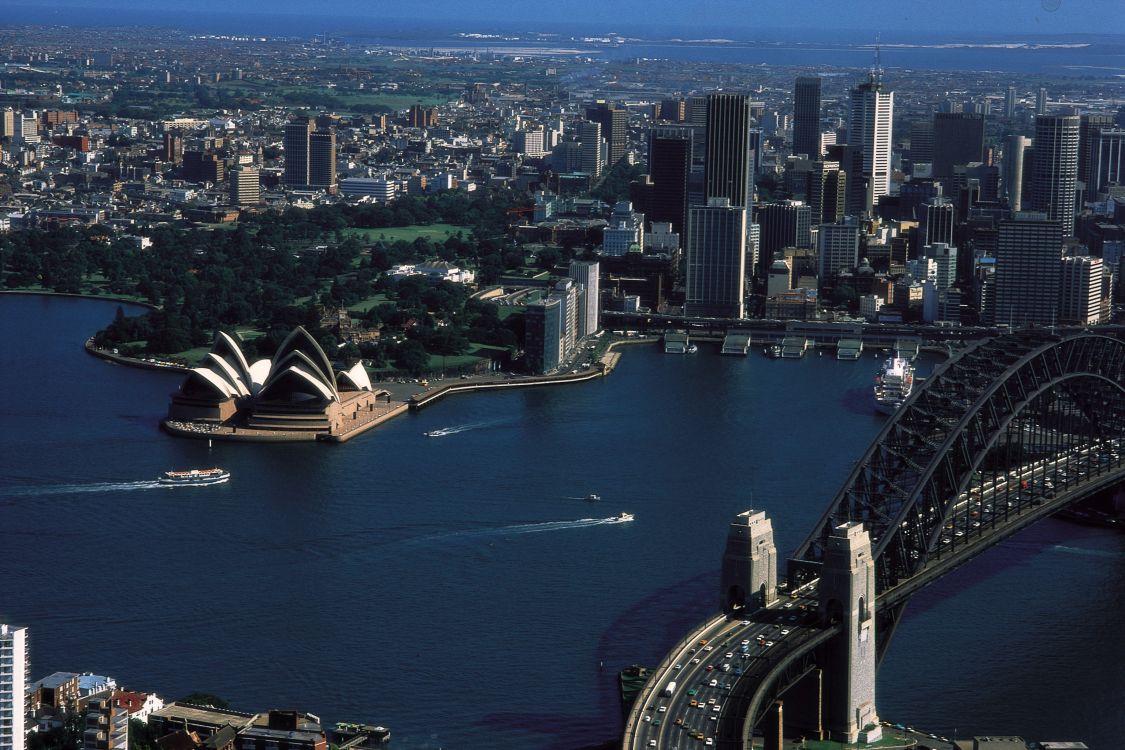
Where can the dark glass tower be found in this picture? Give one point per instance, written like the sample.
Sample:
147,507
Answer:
806,117
728,170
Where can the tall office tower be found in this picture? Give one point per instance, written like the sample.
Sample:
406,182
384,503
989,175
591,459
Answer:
922,142
592,154
296,141
1028,271
806,117
1055,169
869,126
8,123
173,150
107,726
673,110
1012,179
697,110
1080,300
245,186
944,257
850,158
530,142
567,293
15,677
585,273
1089,127
1041,101
837,247
785,224
1107,160
728,171
543,333
28,127
1010,102
322,159
614,121
958,139
716,260
421,117
937,220
826,192
669,164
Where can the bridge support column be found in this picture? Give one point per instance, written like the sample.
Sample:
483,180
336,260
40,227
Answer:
749,579
847,596
772,727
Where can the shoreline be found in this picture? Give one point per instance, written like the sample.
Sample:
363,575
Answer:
80,295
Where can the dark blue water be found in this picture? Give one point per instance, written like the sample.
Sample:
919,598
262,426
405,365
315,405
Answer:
456,589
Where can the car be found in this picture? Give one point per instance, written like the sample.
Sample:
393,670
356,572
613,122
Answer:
729,655
692,692
701,705
656,722
647,718
792,618
652,743
695,660
767,644
713,683
710,701
710,668
679,721
708,648
662,709
709,741
745,622
693,703
785,631
678,666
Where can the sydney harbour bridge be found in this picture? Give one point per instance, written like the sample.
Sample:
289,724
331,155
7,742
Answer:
1011,430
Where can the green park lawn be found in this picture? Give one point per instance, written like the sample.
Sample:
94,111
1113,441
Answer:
432,232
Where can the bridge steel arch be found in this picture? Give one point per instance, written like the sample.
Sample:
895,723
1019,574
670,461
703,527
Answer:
928,467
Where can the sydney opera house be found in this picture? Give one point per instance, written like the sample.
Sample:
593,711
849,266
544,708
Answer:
296,395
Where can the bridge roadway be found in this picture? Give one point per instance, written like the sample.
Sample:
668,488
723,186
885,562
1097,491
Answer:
713,707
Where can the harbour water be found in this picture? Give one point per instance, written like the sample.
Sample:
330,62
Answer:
459,589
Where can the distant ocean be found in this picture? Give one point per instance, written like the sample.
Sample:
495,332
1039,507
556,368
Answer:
1102,57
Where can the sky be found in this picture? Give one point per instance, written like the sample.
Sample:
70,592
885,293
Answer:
622,16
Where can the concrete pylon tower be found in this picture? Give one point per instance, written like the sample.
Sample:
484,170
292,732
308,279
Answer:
847,596
749,579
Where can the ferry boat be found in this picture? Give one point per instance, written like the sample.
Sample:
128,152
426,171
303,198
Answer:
893,385
195,477
623,517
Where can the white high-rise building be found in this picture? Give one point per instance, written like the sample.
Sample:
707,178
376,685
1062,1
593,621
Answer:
1080,295
585,273
626,228
14,678
593,151
837,248
944,257
869,127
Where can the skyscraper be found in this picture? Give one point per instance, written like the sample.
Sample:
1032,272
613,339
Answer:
1107,160
937,221
585,273
1081,291
1012,180
245,186
1055,169
869,127
322,159
806,117
826,192
296,142
728,170
593,148
716,260
14,680
784,224
542,342
1010,102
614,121
669,164
850,159
1041,102
1089,128
958,139
837,249
1028,271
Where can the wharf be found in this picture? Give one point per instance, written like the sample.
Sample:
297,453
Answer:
850,349
794,347
736,342
676,343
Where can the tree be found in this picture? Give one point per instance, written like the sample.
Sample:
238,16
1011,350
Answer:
204,699
412,357
141,735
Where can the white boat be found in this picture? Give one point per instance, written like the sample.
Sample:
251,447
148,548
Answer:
623,517
194,477
893,384
692,349
592,498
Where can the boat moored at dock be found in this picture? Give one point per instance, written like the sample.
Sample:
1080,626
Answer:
893,384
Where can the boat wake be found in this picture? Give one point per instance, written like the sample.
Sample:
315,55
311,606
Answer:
520,529
1081,551
456,429
74,489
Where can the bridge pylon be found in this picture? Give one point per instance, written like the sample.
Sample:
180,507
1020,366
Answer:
847,596
749,578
